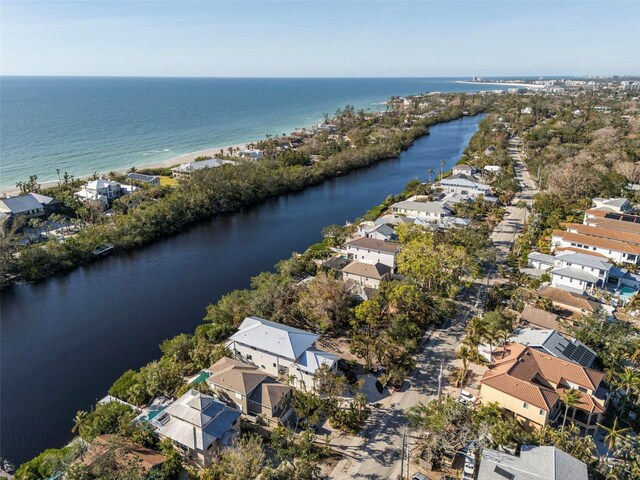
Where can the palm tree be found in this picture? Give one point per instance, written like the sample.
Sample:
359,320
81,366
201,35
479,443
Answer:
629,381
571,399
614,434
430,172
463,353
79,420
634,355
442,165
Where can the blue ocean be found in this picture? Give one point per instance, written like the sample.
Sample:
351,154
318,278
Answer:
83,125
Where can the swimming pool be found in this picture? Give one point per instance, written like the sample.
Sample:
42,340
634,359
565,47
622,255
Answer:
627,292
202,376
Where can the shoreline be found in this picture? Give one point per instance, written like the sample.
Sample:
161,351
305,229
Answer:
178,160
504,84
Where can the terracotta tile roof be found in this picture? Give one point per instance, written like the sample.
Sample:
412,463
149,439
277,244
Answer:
603,232
565,297
521,375
614,224
606,213
374,244
605,243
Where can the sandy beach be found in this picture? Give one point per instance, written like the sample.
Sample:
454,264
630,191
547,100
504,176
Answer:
504,84
180,159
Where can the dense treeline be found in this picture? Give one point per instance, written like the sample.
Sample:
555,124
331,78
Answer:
148,215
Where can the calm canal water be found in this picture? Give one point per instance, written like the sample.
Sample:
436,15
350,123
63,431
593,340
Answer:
65,340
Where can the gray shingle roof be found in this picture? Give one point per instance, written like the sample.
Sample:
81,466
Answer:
576,273
426,207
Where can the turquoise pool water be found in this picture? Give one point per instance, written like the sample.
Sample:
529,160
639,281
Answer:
201,378
627,292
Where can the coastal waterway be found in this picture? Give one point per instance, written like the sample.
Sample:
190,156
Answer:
65,340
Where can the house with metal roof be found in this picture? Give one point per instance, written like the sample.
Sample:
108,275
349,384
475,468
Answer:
198,425
146,179
252,391
23,206
534,463
556,344
530,383
281,351
616,205
463,185
184,170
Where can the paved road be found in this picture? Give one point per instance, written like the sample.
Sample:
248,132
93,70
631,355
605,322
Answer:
375,453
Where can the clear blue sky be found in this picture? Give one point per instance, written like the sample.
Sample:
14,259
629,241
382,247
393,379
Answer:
319,38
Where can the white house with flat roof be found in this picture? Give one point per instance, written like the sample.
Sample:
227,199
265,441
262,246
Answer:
100,190
616,205
281,350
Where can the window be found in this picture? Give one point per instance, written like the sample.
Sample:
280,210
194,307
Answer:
274,365
525,405
541,412
249,357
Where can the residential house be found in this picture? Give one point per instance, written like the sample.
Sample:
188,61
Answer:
281,351
366,274
372,251
616,205
612,224
185,170
50,204
199,426
492,168
379,232
252,154
556,344
534,462
529,384
571,302
537,318
594,213
604,232
392,219
101,191
23,206
254,392
432,211
616,250
464,186
152,180
462,169
579,273
540,261
125,452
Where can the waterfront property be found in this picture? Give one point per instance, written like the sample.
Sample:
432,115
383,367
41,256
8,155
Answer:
463,185
372,251
22,206
431,211
101,191
462,169
254,392
153,180
377,231
281,351
125,452
543,462
529,384
184,170
199,426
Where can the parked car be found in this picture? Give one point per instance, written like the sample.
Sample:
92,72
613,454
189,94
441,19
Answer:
419,476
466,398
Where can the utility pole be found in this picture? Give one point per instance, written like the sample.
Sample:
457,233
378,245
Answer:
404,442
440,382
